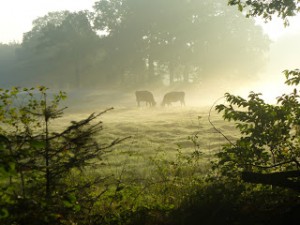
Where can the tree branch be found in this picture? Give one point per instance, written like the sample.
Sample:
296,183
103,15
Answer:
216,129
280,179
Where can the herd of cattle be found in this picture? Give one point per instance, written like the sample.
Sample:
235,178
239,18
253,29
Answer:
147,96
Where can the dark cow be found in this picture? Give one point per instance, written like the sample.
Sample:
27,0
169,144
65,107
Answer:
145,96
174,96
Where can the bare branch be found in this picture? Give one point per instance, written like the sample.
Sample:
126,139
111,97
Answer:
216,129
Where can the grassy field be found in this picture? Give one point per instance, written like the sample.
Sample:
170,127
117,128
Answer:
155,132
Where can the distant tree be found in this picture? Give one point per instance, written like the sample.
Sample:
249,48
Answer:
38,162
35,62
60,46
7,62
189,40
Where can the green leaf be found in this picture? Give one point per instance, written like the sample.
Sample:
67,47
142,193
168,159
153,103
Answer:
4,213
240,7
67,204
4,139
37,144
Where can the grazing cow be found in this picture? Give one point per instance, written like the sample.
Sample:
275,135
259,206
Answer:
145,96
174,96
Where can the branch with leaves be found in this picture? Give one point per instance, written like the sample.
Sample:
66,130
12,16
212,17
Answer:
270,140
267,9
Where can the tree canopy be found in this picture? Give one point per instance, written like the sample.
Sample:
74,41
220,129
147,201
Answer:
191,40
59,43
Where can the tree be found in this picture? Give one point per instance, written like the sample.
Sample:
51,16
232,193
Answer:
268,151
35,61
267,9
183,37
37,163
59,43
7,61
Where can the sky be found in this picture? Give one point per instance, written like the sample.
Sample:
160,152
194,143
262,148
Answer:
284,54
16,16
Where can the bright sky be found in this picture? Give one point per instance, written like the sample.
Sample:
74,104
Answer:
284,55
275,28
16,16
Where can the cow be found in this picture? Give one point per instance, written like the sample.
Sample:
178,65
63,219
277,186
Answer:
174,96
145,96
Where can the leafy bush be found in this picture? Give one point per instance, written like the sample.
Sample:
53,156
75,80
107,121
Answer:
270,140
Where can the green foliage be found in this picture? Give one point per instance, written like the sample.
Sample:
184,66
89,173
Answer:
292,76
267,9
225,202
36,163
269,139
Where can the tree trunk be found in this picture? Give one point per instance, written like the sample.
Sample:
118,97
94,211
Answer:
77,75
150,69
186,75
171,73
280,179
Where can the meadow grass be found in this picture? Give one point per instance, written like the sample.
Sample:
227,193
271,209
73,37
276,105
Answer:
156,133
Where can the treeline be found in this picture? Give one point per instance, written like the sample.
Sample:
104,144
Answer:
134,42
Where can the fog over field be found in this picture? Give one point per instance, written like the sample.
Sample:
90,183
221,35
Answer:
159,132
